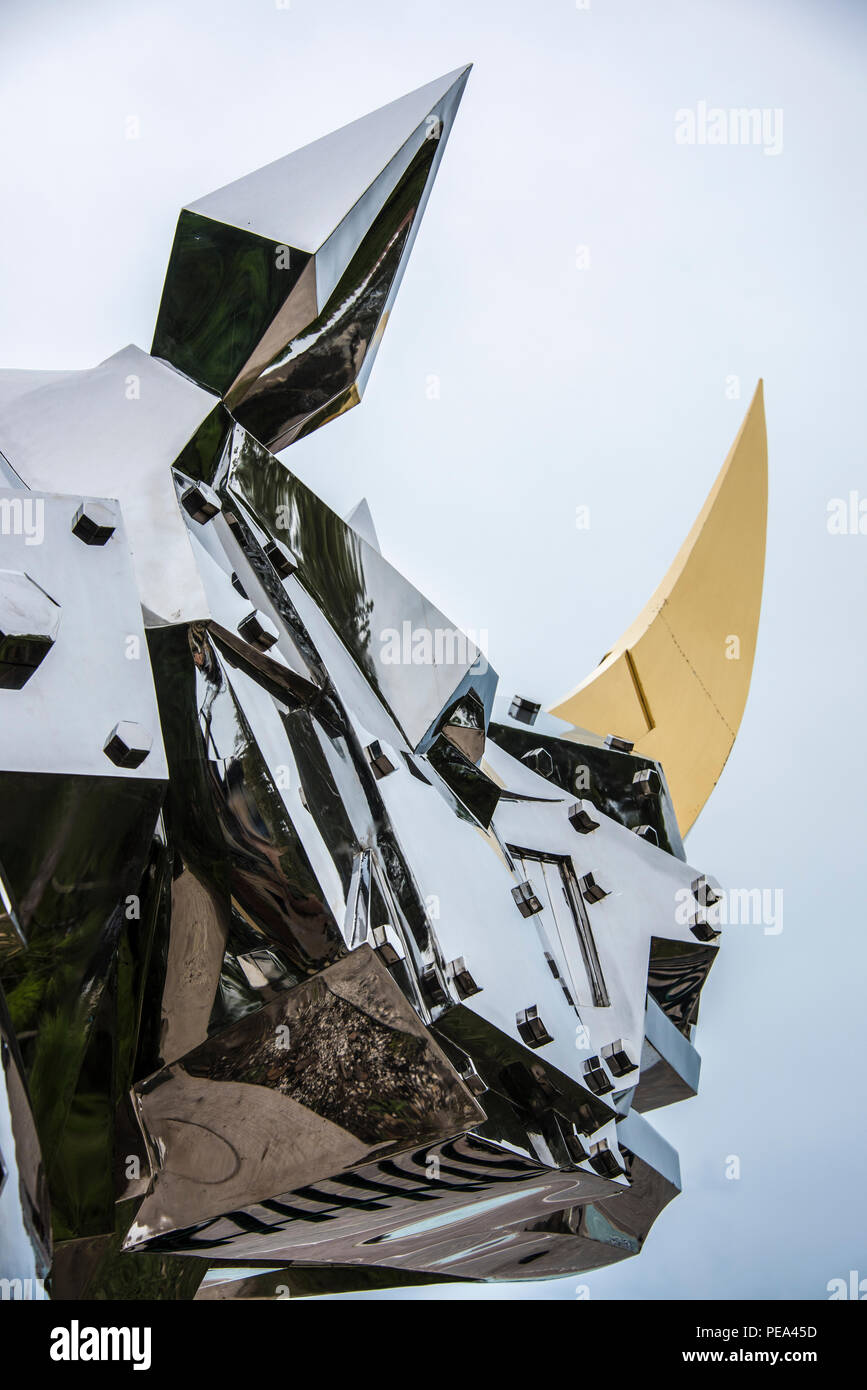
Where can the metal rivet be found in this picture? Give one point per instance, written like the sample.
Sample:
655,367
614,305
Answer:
647,832
702,929
258,631
705,891
201,502
618,745
525,711
461,978
283,562
592,891
527,902
128,744
604,1161
540,760
94,523
471,1079
596,1077
646,782
379,760
384,948
572,1140
432,987
581,819
619,1056
531,1028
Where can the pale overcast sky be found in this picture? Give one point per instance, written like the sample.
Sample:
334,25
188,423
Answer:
603,386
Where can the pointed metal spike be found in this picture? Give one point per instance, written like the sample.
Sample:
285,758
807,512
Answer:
361,520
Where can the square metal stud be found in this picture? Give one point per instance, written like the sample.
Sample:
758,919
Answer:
462,979
702,929
258,630
283,560
525,711
471,1079
580,817
591,890
646,782
383,947
531,1028
432,988
618,745
128,744
647,832
604,1161
619,1057
572,1140
527,902
379,760
201,502
94,523
596,1078
704,891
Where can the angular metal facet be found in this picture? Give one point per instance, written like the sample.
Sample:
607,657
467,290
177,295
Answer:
280,284
29,622
113,432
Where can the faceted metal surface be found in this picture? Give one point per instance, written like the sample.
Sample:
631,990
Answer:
29,620
328,1073
73,613
315,953
280,284
25,1215
113,431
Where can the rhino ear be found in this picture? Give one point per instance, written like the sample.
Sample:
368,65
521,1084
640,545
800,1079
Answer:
676,683
280,284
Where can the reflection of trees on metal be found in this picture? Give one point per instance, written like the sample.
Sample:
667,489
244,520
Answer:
278,984
332,554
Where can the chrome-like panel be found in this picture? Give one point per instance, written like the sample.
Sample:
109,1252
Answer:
373,610
97,672
280,284
114,431
25,1213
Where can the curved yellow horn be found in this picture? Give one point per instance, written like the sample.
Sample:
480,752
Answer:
677,681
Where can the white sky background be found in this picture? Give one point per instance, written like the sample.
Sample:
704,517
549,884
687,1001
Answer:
561,387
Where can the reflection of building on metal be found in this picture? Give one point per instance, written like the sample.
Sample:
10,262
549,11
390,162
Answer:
270,1000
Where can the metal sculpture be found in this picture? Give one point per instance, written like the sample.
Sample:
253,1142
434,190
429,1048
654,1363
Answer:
316,958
